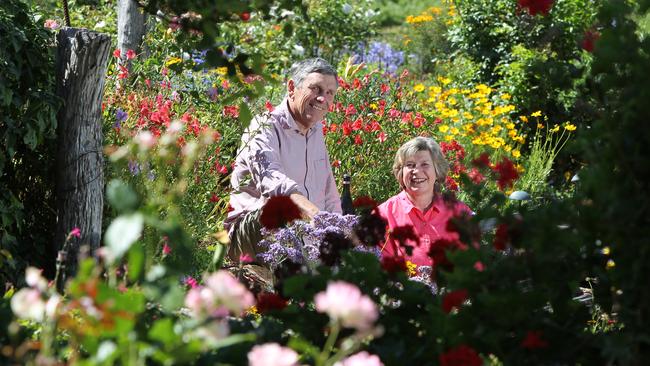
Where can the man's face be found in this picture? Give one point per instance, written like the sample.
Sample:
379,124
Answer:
310,101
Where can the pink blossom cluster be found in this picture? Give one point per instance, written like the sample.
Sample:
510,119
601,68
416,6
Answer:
221,294
345,303
361,359
32,303
272,354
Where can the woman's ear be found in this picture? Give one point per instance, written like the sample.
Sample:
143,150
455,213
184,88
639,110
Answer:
291,88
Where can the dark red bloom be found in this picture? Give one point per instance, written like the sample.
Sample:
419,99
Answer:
364,202
279,211
453,299
482,161
462,355
533,340
267,301
589,40
214,198
535,7
451,184
501,237
245,16
438,252
507,173
476,176
404,233
394,264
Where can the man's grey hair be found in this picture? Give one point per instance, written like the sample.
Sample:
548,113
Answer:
299,70
413,146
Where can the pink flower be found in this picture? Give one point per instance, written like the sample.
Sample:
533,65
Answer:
27,303
76,232
272,354
130,54
35,279
222,293
361,359
245,258
52,24
166,249
191,282
344,302
117,53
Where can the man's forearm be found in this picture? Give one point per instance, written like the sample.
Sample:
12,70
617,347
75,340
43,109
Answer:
308,209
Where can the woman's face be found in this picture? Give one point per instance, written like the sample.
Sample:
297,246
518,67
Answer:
418,174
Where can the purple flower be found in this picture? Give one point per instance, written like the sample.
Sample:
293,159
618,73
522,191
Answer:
120,116
134,167
381,54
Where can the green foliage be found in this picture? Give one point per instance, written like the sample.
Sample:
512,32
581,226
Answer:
27,131
394,12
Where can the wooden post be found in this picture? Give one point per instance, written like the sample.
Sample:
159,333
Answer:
131,28
81,62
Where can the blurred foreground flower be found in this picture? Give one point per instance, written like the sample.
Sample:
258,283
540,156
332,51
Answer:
272,354
361,359
344,302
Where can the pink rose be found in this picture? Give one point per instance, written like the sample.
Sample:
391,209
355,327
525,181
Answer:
344,302
51,24
361,359
272,354
229,292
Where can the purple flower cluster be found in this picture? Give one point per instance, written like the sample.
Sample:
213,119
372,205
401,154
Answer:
300,241
381,54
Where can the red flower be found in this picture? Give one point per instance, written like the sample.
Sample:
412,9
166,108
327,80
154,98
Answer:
535,7
350,110
476,176
451,184
482,161
269,301
130,54
214,198
589,40
501,237
534,340
438,254
269,106
279,211
384,88
245,16
507,173
404,233
166,249
364,202
117,53
394,264
381,137
462,355
358,140
231,111
453,299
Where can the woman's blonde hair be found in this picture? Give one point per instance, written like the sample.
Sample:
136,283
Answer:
413,146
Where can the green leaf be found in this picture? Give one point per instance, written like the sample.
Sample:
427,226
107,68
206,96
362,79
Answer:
121,196
122,233
245,115
136,262
163,331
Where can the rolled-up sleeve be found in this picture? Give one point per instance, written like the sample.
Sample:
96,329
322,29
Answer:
265,167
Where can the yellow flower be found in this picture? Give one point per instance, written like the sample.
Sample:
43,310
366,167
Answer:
419,88
222,70
435,10
506,96
410,268
373,106
435,89
444,80
536,114
467,115
516,154
610,264
606,251
443,128
173,61
454,131
555,128
539,125
569,127
523,119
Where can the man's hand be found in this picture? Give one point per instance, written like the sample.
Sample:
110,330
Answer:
308,209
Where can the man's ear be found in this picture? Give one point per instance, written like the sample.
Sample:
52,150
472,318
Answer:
291,87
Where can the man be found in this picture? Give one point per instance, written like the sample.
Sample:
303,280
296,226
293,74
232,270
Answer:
283,153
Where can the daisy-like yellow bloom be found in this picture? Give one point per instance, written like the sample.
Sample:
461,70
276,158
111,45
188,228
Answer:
569,127
536,114
606,251
435,89
221,70
516,154
506,96
610,264
452,101
173,61
539,125
418,88
523,119
411,268
454,131
443,128
555,128
373,106
444,80
467,115
435,10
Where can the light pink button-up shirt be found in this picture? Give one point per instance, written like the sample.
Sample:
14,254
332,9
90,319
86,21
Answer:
428,226
276,159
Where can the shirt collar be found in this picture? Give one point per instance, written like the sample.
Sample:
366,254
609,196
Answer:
409,206
286,119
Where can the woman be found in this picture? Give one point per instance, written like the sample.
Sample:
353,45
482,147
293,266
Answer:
421,169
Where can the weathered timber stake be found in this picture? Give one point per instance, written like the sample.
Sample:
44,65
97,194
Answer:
81,59
131,28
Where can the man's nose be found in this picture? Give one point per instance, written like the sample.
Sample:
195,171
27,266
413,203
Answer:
320,99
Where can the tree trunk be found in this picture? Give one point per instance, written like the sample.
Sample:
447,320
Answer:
81,58
131,29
